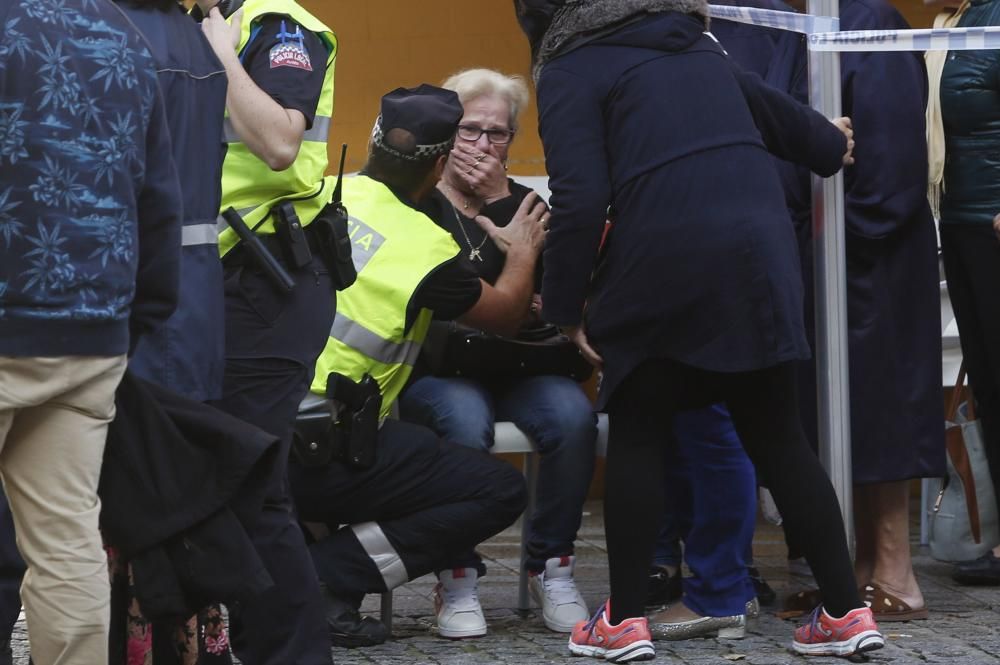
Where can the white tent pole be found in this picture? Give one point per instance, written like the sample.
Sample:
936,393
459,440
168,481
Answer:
830,270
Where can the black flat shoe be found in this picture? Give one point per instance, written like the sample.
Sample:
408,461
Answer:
765,594
348,629
663,588
984,571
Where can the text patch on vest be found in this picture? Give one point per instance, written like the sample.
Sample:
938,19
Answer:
365,241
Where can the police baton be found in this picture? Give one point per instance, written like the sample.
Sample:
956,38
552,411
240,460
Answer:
275,272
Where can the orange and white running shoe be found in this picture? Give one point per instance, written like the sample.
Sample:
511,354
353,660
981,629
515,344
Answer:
630,640
854,633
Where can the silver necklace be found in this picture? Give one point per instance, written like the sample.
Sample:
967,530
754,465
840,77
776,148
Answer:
474,254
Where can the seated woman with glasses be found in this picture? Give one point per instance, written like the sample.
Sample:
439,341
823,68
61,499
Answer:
462,402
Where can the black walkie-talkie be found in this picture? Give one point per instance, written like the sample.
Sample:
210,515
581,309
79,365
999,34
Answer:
331,225
227,7
338,190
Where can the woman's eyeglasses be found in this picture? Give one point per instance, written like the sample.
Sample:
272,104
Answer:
496,136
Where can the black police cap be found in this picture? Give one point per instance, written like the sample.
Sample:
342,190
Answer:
428,113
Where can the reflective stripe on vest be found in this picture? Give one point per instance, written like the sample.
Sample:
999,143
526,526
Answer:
395,248
248,184
385,351
319,132
221,224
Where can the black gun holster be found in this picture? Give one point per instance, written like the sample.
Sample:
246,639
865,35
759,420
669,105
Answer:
350,435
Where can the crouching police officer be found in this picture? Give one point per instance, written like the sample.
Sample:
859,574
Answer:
413,502
279,295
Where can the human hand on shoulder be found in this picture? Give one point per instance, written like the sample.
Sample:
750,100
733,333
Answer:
526,231
843,123
223,36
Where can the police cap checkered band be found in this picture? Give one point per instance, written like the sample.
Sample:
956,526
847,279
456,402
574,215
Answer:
430,114
420,152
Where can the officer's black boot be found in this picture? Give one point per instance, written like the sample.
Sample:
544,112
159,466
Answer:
348,628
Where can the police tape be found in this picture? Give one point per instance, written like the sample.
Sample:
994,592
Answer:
930,39
824,32
769,18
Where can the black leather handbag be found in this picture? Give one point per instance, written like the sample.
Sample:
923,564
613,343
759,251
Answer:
540,350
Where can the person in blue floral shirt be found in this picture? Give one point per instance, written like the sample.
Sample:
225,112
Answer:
89,252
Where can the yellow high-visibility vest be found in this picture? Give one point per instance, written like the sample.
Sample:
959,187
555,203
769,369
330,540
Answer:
248,184
394,248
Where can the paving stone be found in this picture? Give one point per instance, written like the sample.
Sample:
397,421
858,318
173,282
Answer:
963,629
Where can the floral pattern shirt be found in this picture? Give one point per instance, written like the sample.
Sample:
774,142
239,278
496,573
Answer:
82,179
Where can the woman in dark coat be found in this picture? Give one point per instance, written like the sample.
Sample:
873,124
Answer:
894,334
697,295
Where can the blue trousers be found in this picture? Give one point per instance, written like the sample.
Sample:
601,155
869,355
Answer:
553,411
711,506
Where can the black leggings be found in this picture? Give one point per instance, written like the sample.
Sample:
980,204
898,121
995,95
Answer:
764,407
972,266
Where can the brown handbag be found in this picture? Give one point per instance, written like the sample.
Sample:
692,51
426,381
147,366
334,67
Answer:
955,443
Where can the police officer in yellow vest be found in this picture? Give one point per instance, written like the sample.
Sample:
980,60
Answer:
279,59
423,500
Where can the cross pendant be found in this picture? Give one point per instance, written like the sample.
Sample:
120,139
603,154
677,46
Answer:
474,255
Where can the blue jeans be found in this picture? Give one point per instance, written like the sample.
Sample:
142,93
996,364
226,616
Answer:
553,411
711,506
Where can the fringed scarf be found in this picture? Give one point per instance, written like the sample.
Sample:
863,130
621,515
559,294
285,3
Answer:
555,28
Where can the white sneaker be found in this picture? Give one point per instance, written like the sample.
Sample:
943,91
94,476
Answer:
456,604
554,589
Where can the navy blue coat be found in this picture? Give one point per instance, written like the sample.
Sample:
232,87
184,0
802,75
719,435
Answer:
186,354
893,294
701,264
752,47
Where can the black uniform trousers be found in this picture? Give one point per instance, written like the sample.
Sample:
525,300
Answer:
12,569
971,256
272,341
422,503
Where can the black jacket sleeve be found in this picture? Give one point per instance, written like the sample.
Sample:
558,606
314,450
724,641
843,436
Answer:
571,124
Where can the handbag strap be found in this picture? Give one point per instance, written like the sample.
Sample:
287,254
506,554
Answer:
959,455
956,396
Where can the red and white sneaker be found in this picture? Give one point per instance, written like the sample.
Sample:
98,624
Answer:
854,633
629,640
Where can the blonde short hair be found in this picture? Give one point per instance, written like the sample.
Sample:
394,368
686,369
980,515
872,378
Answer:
471,84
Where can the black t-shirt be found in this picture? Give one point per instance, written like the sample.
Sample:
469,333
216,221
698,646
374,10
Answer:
288,63
470,236
454,288
450,291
